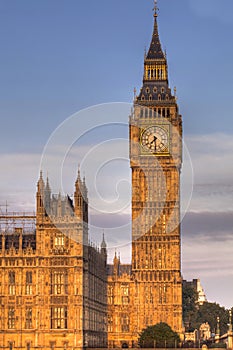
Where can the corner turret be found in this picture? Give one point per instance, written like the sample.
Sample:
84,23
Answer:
104,248
47,196
40,205
80,199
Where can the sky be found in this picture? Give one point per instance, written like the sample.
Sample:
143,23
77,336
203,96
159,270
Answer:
59,58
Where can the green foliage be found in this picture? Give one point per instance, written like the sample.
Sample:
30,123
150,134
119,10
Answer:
194,314
208,312
160,335
189,302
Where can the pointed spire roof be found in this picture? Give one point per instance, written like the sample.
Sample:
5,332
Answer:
155,51
78,182
40,182
47,188
78,176
84,185
103,244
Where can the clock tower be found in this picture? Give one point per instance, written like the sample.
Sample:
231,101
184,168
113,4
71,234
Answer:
156,158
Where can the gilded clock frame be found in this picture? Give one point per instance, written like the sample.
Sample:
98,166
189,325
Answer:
166,128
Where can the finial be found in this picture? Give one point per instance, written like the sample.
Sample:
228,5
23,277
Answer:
41,180
145,52
47,183
155,9
175,92
134,93
79,176
103,244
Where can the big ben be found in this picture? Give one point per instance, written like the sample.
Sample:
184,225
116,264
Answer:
156,159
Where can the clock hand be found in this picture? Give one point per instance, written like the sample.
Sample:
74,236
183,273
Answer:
154,140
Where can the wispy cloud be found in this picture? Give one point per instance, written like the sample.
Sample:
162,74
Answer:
207,228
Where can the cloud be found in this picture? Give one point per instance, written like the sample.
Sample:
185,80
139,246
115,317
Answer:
209,225
212,160
207,243
207,238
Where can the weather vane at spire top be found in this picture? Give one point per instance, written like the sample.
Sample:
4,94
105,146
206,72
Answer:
155,9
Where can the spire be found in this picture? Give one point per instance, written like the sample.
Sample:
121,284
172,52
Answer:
40,182
79,183
47,187
155,8
155,80
40,196
84,188
47,196
104,249
155,50
103,244
78,176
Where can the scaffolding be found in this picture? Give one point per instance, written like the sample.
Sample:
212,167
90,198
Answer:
13,221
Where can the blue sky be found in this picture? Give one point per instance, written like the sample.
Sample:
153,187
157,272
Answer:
58,57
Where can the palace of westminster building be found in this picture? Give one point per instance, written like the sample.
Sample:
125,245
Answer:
56,290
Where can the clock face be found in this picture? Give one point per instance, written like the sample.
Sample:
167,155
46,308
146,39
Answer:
155,139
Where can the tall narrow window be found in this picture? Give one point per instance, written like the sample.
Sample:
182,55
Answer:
59,317
124,322
59,240
59,282
11,282
10,346
125,294
29,282
110,295
28,346
11,318
110,323
28,318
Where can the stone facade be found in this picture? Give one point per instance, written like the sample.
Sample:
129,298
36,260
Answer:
52,283
54,289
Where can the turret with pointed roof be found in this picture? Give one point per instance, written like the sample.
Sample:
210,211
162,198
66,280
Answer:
40,195
104,249
47,196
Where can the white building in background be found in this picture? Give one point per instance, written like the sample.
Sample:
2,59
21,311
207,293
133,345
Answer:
196,285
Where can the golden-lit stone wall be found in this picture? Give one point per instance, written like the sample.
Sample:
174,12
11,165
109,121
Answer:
53,293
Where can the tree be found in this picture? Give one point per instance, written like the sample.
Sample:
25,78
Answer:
208,312
194,314
189,302
160,335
